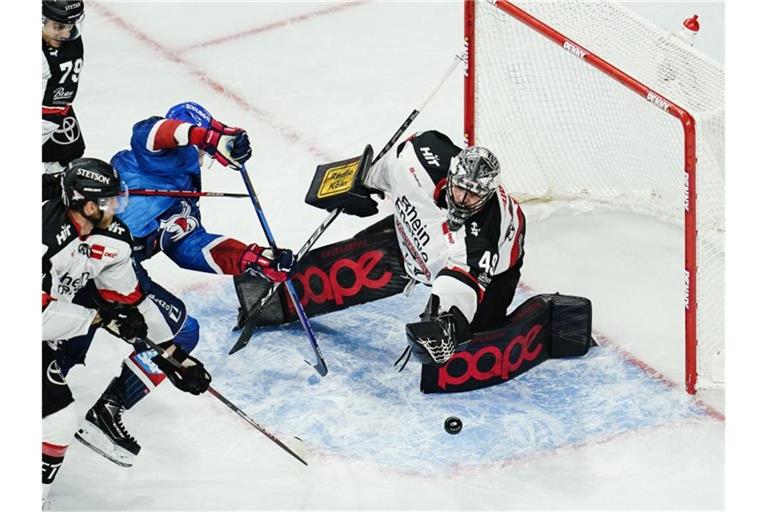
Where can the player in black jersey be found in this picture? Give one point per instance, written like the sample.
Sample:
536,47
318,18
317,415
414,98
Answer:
62,63
91,281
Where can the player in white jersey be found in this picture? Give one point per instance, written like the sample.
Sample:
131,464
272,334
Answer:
458,232
90,281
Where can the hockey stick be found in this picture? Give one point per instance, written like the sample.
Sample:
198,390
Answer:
247,332
320,366
164,354
180,193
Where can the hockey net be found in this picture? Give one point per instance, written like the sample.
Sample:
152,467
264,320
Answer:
588,101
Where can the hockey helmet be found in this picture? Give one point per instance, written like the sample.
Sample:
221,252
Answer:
66,12
472,180
91,179
190,112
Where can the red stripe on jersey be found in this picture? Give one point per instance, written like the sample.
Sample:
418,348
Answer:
47,299
113,296
516,242
480,287
56,111
54,450
227,255
439,187
164,135
503,195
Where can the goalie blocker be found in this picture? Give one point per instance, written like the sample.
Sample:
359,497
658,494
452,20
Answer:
339,186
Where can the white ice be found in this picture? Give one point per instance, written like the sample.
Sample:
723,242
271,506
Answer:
315,89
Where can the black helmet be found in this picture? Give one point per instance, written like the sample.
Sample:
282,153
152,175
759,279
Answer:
474,169
64,11
91,179
68,12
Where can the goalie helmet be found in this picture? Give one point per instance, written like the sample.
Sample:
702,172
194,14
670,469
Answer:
91,179
190,112
472,180
66,12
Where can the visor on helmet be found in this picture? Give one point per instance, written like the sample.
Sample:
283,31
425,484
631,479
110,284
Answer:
116,204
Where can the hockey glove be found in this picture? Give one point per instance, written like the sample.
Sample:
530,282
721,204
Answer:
434,340
125,322
257,260
227,145
185,372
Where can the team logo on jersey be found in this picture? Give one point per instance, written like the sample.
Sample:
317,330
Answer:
64,234
510,232
474,228
178,226
67,133
54,374
431,158
60,94
99,252
115,227
69,285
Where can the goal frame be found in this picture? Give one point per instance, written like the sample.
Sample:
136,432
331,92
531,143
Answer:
687,122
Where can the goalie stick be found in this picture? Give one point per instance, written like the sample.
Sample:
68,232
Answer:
247,331
162,353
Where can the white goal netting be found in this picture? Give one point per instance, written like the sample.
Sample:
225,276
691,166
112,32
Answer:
572,132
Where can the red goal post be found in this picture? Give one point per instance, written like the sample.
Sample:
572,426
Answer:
501,17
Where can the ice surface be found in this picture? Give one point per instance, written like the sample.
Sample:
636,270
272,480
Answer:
312,82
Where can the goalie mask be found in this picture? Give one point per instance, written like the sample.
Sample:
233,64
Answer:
471,183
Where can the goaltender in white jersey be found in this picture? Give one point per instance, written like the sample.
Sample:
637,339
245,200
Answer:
458,230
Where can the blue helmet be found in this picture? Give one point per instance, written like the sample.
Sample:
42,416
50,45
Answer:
190,112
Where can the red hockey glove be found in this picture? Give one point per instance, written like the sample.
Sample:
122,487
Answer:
257,260
228,145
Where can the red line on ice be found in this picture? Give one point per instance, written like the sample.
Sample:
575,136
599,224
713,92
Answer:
645,367
274,25
173,56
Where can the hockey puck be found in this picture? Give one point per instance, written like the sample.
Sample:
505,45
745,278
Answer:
453,425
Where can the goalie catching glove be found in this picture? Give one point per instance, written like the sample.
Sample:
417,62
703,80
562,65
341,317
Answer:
434,339
184,371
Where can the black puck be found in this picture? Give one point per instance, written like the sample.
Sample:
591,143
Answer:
453,425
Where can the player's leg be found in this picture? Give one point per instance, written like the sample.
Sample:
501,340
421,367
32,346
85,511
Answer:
59,417
167,322
183,238
492,312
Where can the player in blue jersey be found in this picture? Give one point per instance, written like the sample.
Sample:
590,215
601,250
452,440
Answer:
166,154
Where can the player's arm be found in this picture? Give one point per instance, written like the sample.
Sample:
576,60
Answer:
457,291
228,145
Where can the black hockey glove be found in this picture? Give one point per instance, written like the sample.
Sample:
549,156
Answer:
434,339
125,322
360,203
184,371
51,186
